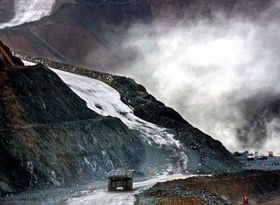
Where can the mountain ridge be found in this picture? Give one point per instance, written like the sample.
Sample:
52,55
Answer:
148,108
101,28
52,134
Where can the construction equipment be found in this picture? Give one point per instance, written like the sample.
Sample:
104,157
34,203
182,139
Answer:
120,178
250,157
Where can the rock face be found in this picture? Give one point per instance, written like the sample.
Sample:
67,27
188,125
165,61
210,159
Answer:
205,155
97,29
48,136
94,28
170,12
6,57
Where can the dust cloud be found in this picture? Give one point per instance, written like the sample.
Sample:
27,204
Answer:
221,74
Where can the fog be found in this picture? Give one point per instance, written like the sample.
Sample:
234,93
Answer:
221,74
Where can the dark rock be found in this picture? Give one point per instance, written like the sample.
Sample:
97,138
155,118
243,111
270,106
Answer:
6,57
48,136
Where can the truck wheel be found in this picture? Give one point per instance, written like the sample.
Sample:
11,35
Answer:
110,188
129,185
113,186
125,185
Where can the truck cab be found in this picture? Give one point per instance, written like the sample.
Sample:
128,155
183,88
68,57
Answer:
120,178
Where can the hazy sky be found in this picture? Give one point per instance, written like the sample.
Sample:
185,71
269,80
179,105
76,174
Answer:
213,73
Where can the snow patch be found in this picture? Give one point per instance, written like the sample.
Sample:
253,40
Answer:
89,164
28,63
28,11
100,95
104,152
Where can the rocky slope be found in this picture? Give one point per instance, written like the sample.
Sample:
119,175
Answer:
94,28
205,155
222,189
97,29
49,137
55,135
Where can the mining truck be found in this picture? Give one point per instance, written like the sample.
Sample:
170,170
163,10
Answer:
120,178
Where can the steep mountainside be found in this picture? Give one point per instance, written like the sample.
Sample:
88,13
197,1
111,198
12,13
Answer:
94,28
49,137
204,153
97,29
58,129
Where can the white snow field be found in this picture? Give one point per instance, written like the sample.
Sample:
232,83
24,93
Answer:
106,101
28,11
